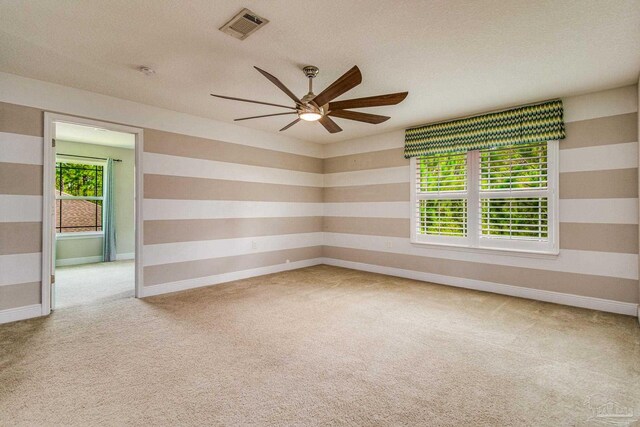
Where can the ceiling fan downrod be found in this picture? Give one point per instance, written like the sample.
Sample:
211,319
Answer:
311,72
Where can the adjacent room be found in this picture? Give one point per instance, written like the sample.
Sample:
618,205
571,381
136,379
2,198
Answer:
343,213
94,215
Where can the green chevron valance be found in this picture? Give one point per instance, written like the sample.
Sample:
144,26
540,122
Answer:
522,125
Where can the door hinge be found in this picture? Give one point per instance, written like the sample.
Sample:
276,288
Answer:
53,142
53,279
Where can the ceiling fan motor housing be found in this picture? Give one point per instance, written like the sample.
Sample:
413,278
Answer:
310,71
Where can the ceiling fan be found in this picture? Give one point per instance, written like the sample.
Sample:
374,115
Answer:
312,107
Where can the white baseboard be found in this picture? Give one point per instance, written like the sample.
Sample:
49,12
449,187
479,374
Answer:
77,261
182,285
122,257
20,313
516,291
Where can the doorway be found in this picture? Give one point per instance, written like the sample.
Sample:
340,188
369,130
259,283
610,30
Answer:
92,228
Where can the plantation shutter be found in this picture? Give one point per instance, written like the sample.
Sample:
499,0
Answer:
523,125
513,193
441,196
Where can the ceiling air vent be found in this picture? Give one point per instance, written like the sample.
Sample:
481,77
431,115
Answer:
243,24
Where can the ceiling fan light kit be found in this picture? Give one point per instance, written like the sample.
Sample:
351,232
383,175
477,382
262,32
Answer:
312,107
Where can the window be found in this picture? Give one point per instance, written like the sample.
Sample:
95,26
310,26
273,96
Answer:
79,197
499,198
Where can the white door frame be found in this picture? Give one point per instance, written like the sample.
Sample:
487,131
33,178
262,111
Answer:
48,199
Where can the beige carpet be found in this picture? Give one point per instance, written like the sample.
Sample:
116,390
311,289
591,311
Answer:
94,283
319,346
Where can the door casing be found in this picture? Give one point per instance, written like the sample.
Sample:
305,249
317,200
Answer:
48,199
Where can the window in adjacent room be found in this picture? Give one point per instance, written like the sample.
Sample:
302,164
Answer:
497,198
79,197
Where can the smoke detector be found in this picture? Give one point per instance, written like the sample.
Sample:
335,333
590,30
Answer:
147,71
243,24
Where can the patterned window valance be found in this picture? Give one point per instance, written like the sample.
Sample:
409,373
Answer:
523,125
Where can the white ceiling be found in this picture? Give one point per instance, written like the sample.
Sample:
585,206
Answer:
454,57
92,135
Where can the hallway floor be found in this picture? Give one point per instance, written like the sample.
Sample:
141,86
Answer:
94,283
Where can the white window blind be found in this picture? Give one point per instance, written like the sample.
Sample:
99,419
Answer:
441,206
502,198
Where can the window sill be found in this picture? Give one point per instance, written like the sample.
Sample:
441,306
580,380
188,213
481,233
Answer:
80,235
486,250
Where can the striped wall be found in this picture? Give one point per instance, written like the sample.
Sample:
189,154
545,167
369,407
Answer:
213,208
366,214
21,131
220,201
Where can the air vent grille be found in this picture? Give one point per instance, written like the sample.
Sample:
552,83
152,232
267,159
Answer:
243,24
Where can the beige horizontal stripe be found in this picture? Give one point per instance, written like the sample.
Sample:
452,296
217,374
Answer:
393,227
606,184
611,288
14,296
372,160
621,238
183,188
20,119
171,231
602,131
398,192
20,237
174,144
20,179
165,273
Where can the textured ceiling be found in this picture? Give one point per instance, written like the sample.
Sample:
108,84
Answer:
454,57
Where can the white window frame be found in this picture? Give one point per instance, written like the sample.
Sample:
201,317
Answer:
473,241
81,234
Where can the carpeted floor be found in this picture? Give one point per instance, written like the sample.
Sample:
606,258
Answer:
94,283
319,346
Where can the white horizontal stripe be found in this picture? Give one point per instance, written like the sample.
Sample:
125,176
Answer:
369,209
602,157
498,288
383,141
159,209
198,282
605,103
20,268
66,100
367,177
17,148
20,208
166,253
569,261
600,211
162,164
616,156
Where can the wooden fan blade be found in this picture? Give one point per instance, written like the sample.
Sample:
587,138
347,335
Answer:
370,101
330,125
360,117
348,81
280,85
252,101
290,124
266,115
